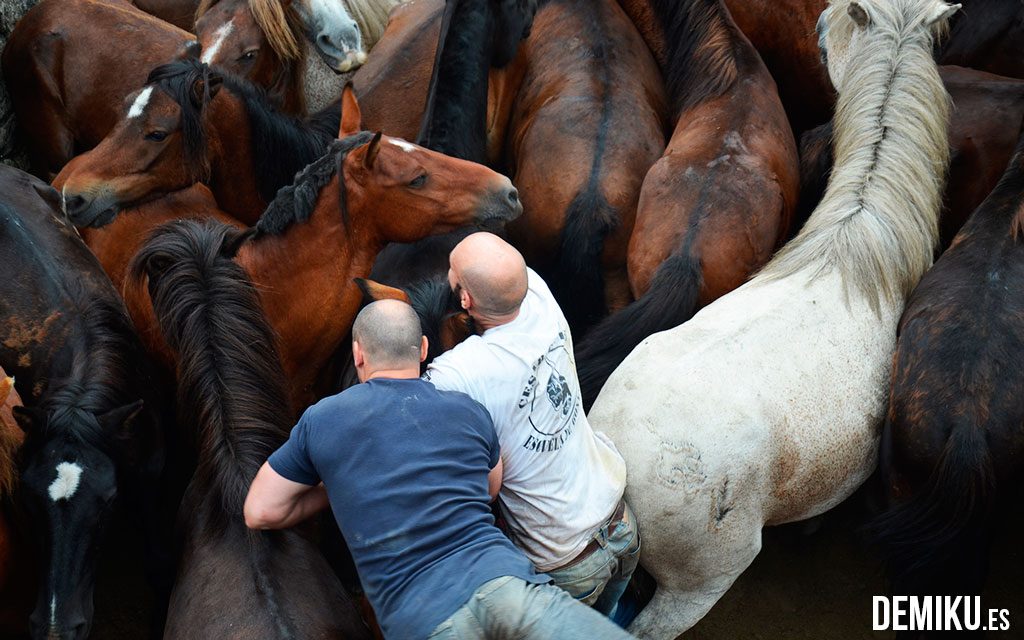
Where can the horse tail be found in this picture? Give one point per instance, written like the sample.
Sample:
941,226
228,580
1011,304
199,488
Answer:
230,383
671,300
576,279
941,533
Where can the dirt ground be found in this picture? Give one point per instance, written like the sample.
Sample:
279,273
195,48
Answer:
803,586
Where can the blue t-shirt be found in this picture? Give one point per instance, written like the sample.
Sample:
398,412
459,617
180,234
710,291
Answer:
405,466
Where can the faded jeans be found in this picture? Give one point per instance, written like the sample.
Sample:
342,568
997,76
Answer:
600,579
512,608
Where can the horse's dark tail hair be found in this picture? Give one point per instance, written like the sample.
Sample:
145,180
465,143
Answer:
576,279
230,382
939,536
671,300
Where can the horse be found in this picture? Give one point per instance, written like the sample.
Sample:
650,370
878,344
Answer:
294,48
953,433
92,432
988,35
589,112
68,65
718,203
16,586
192,124
180,13
980,142
232,582
766,406
367,190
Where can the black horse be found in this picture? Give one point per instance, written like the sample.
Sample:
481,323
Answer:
232,582
91,426
954,434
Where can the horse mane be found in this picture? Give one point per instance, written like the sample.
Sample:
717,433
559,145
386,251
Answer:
230,382
295,203
701,50
278,21
877,223
372,18
1011,186
282,144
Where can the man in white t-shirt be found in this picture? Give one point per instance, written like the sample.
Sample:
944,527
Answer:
561,495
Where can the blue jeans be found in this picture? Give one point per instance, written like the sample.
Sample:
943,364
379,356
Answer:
512,608
600,579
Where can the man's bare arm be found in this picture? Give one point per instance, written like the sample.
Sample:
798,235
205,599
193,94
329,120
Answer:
275,502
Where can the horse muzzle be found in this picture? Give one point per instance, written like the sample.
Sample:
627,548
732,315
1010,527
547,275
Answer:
342,53
502,205
95,210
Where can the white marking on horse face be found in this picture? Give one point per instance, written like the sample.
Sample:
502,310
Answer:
140,103
53,611
219,35
407,147
64,200
65,484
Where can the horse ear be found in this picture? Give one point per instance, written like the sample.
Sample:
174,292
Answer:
372,150
859,15
373,290
28,419
121,418
205,88
351,117
189,49
942,12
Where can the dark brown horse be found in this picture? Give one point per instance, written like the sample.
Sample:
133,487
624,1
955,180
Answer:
714,208
233,583
69,64
192,124
987,35
89,438
16,586
327,228
981,143
954,433
587,124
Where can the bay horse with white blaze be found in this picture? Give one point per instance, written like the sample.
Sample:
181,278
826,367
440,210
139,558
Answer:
92,435
233,583
715,448
954,432
717,204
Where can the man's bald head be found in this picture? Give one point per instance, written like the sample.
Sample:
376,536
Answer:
492,272
389,334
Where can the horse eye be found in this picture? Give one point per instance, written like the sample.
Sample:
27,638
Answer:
249,55
418,181
156,136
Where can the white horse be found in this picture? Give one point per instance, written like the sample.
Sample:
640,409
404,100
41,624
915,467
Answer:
765,407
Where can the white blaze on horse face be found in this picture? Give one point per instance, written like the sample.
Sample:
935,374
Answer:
219,36
53,611
65,484
407,147
140,103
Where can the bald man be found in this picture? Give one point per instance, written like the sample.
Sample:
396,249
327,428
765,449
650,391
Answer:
409,472
562,485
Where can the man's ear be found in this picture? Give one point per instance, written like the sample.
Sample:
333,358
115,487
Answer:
465,300
424,344
358,357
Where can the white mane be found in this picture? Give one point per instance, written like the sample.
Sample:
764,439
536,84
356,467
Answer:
372,18
878,221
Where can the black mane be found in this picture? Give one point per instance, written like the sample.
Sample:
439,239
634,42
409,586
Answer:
295,202
281,144
231,388
701,50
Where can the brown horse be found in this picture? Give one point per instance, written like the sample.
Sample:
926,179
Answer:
980,141
587,124
191,124
954,432
714,208
327,228
180,13
233,583
16,586
69,64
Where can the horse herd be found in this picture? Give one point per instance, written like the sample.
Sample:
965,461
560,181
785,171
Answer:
758,323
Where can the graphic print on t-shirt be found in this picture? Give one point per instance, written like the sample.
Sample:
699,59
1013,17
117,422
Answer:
553,407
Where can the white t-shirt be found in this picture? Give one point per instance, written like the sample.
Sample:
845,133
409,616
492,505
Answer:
561,481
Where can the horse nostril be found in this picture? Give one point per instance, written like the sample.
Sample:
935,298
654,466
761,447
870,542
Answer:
73,203
513,195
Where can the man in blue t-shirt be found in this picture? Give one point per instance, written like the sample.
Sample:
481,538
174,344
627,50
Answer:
409,472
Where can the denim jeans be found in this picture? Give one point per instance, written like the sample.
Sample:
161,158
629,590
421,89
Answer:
511,608
600,579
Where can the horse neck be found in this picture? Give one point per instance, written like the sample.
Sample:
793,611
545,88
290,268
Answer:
233,178
699,48
877,223
455,121
1007,198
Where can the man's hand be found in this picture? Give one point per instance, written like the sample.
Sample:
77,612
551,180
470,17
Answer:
275,502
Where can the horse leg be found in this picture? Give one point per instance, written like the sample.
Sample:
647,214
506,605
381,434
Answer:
689,584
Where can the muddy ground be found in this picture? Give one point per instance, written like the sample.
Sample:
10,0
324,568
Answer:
803,586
